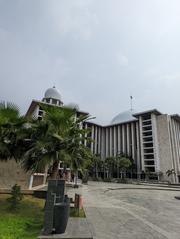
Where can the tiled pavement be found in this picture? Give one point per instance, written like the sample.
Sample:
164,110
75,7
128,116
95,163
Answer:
125,211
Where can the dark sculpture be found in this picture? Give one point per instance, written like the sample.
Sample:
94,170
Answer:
56,208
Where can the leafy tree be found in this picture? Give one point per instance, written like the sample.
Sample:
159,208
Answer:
170,172
124,164
110,161
86,168
96,164
117,160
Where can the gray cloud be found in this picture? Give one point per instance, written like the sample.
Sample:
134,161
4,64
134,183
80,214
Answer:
97,53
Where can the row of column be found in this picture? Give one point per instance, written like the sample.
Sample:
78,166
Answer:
174,127
111,140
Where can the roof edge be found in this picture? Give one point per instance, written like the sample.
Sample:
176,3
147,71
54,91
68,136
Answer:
154,111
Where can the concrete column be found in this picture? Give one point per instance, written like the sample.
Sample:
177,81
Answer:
132,140
92,138
119,139
155,143
172,147
107,143
138,156
36,113
123,138
45,174
176,159
177,145
99,141
128,140
81,126
85,141
110,141
141,142
115,143
96,140
31,181
103,143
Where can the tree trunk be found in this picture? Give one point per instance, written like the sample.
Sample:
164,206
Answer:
118,170
76,178
104,172
96,171
45,175
125,173
54,174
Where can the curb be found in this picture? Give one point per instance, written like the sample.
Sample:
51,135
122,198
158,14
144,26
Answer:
77,228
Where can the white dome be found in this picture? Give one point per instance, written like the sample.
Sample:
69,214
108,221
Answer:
123,117
52,93
73,106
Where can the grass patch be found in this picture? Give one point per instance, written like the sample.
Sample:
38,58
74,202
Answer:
77,212
24,222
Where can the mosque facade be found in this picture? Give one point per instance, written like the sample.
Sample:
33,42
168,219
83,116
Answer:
150,138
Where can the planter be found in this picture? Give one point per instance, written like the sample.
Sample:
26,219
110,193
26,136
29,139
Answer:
61,215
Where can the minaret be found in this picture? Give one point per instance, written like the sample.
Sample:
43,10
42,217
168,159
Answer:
131,102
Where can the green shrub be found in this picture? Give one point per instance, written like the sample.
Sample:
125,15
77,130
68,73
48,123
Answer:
16,197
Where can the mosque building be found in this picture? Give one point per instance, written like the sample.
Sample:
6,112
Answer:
150,138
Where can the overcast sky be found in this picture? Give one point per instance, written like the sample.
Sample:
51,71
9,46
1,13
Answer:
96,52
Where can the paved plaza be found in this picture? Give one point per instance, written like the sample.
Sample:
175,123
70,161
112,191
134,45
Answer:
129,211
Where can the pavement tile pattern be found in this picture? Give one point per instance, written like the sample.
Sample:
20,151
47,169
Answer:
126,211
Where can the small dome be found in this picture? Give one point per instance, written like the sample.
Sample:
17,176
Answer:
52,93
123,117
73,106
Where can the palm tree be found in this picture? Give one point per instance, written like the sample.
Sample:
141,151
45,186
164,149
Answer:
80,159
40,143
79,156
11,129
56,138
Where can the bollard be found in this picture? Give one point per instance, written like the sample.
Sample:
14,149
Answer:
78,202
